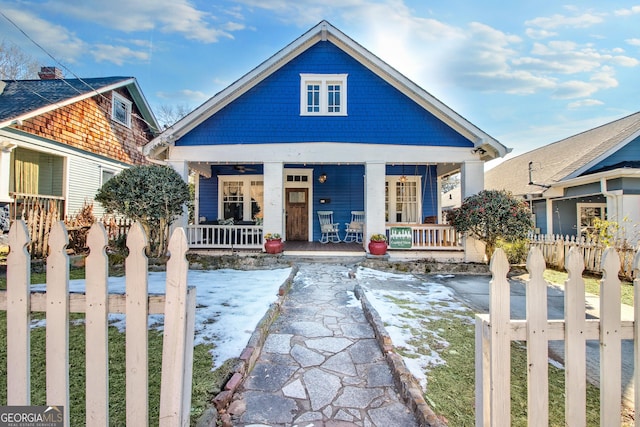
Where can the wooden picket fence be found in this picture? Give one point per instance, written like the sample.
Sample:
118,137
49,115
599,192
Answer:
555,249
496,330
177,305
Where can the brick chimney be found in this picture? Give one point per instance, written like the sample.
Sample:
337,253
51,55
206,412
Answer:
50,73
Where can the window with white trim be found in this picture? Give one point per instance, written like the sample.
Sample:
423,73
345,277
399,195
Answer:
587,213
403,202
106,175
323,94
121,109
241,198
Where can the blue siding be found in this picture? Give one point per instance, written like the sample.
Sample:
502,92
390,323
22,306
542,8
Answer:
377,112
628,153
539,208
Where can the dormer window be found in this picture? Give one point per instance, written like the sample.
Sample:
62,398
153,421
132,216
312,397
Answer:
323,94
121,109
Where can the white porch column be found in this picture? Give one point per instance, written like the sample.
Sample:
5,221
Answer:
5,170
374,200
472,182
273,198
182,167
471,178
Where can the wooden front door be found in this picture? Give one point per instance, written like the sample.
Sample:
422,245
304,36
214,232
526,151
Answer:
297,213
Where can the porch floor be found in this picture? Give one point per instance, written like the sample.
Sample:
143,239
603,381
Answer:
318,249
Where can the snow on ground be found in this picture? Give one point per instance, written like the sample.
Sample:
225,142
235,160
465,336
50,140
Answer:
229,304
405,305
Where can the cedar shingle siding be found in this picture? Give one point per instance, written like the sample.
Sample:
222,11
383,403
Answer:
87,125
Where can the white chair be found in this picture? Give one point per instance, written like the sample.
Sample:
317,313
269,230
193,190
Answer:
355,227
329,229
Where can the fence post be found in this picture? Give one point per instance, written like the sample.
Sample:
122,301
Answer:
97,337
18,316
137,354
499,311
574,343
636,332
57,340
610,344
177,354
537,342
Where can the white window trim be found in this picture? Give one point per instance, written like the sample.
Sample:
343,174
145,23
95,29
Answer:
246,184
391,181
116,97
323,80
579,207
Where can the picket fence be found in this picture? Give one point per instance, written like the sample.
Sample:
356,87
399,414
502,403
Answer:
496,330
555,249
177,305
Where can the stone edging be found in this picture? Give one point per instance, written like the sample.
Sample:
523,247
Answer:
251,352
406,383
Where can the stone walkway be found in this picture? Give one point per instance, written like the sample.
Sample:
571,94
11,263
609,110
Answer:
320,365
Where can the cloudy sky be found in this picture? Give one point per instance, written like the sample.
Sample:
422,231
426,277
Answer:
526,72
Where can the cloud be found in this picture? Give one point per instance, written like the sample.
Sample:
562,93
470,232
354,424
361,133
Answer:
633,42
539,34
184,94
55,39
167,16
561,21
584,103
626,12
117,54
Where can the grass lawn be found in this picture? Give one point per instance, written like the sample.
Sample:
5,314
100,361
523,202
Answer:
206,382
450,389
591,284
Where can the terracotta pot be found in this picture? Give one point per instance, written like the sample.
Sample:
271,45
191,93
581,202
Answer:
377,248
273,246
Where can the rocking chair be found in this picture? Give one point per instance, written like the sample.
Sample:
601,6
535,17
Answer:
355,227
328,228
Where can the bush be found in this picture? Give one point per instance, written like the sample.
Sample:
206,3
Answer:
492,215
516,251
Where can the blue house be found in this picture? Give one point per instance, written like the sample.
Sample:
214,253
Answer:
325,126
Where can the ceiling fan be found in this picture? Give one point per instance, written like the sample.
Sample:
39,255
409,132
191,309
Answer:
243,169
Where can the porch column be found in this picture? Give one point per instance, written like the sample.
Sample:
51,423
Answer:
273,208
472,182
182,168
374,200
471,178
5,170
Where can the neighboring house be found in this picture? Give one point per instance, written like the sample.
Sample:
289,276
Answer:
594,174
61,139
324,125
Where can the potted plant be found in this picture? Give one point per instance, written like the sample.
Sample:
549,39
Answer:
378,244
273,243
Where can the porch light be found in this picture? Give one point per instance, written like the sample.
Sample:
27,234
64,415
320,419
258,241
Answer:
322,178
403,178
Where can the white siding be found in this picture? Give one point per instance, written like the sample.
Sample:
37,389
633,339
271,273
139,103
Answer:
84,178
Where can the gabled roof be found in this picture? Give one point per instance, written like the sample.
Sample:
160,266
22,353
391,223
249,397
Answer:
564,159
24,99
324,31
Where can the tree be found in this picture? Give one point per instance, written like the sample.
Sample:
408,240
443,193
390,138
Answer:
152,194
170,114
15,64
491,215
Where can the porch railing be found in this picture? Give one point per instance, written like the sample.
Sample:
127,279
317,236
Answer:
430,236
23,204
200,236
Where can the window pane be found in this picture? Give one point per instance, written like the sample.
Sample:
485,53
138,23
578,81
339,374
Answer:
257,200
406,202
333,93
233,199
313,98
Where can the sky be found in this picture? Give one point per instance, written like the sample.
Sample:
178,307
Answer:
231,303
526,72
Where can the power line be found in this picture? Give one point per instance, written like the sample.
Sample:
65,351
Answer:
150,125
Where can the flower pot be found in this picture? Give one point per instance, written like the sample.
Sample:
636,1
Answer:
377,248
273,246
